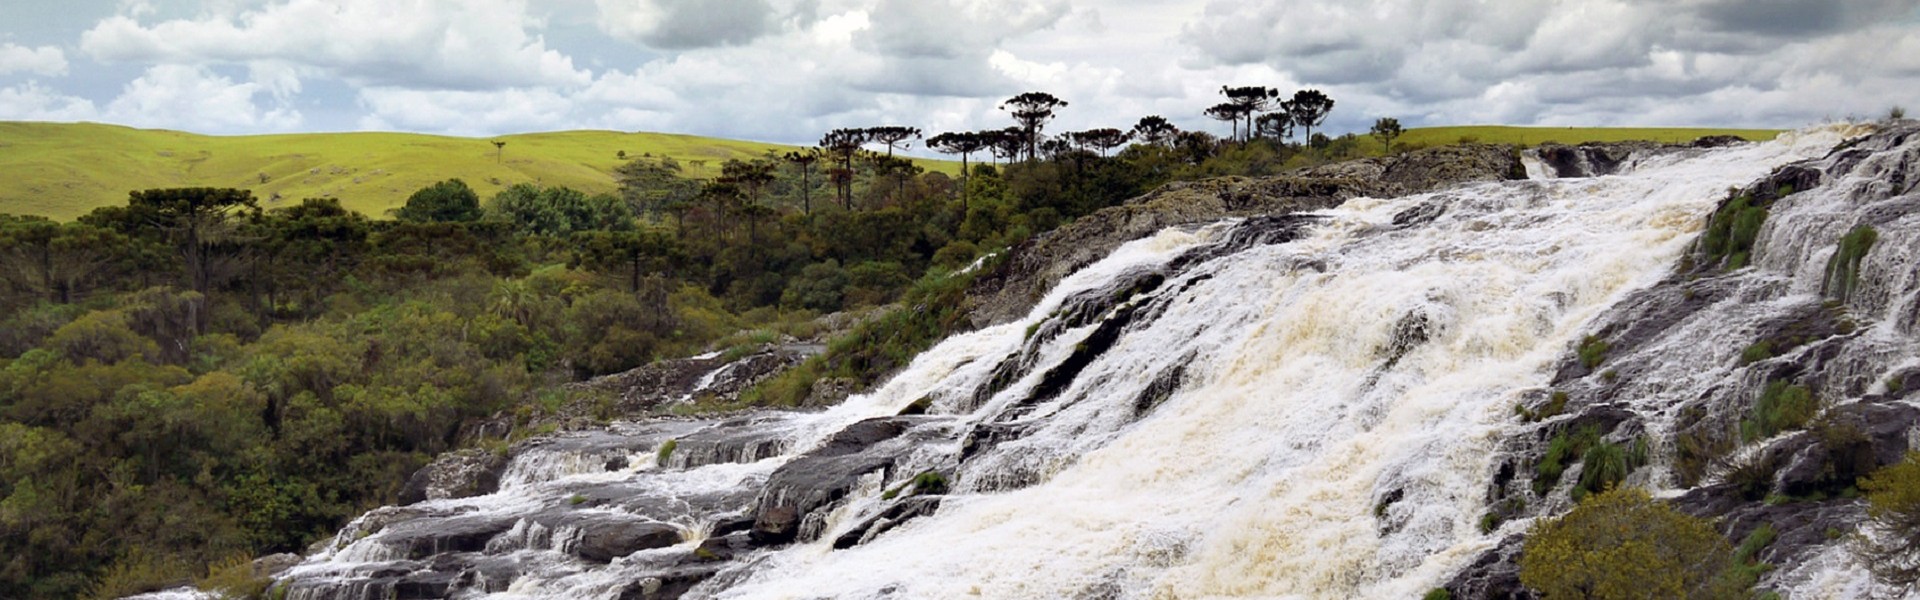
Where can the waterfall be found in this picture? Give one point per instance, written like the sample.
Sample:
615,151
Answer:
1308,406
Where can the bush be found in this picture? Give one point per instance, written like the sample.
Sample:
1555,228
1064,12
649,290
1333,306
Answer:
1732,231
1624,544
1593,351
1885,543
1843,270
1781,407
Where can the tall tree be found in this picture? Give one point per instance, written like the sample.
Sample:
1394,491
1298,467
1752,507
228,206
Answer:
844,145
1006,143
1251,100
1386,129
195,221
1309,109
56,262
751,176
1156,130
1032,110
652,186
1275,125
893,136
1104,139
805,159
963,143
1229,112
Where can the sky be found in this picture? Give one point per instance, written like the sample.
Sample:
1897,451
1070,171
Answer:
789,70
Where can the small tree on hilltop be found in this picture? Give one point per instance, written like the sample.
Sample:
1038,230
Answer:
1385,130
1309,109
1032,110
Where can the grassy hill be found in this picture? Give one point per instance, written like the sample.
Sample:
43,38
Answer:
65,170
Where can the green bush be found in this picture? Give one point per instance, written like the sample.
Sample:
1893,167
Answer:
1893,518
1593,351
665,452
1624,544
1843,270
1732,231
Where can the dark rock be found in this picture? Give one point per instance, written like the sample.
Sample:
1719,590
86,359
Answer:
732,524
723,548
608,538
1717,141
899,513
421,538
1494,575
1594,159
822,477
459,474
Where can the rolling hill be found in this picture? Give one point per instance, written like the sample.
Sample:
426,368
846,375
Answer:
64,170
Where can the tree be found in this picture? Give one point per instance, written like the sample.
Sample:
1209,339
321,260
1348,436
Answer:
1105,139
57,262
893,136
1155,129
964,144
1032,110
1309,109
1889,541
844,145
1386,129
805,159
1229,112
449,201
1251,100
499,151
636,254
651,186
1274,125
752,176
1624,544
194,220
1006,143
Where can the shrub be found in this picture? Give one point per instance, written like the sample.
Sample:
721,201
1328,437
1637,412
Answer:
1560,450
1843,270
1885,543
1759,351
1623,544
1593,351
1732,231
1438,594
1781,407
665,452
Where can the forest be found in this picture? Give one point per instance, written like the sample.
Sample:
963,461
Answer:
190,380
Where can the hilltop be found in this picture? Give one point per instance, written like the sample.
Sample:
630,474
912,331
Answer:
65,170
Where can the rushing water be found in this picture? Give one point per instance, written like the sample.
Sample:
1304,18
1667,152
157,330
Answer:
1300,407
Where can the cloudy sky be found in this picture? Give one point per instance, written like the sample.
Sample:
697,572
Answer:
786,70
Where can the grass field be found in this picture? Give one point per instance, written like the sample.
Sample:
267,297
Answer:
64,170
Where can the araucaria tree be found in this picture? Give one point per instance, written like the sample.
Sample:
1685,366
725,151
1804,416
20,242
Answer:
1032,110
1229,112
193,220
894,136
805,159
1251,101
1274,125
1309,109
963,143
1155,130
1386,129
1105,139
843,145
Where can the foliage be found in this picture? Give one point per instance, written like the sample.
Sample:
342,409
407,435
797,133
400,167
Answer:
1732,231
1843,270
1386,129
1624,544
449,201
1781,406
1593,351
1889,540
665,452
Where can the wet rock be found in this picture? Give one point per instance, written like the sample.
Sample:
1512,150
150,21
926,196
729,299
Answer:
723,548
271,566
1494,575
894,516
422,538
1717,141
823,476
460,474
609,538
1595,159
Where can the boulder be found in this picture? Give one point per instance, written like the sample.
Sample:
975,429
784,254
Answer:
459,474
608,539
823,476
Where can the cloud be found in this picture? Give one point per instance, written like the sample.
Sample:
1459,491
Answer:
441,44
464,112
688,24
32,102
45,60
197,99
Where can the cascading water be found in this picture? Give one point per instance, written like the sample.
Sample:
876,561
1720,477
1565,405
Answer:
1301,406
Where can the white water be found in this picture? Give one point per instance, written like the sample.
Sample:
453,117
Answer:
1260,476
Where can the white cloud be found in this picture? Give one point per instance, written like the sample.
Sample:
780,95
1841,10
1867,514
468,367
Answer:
685,24
32,102
465,112
45,60
448,44
197,99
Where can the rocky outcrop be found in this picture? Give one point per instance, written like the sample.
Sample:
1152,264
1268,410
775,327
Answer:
714,376
1594,159
824,476
459,474
1032,268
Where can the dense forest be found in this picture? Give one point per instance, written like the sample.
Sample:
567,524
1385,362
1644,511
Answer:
190,380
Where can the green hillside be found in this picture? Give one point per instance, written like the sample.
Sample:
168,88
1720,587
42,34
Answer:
1534,136
65,170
